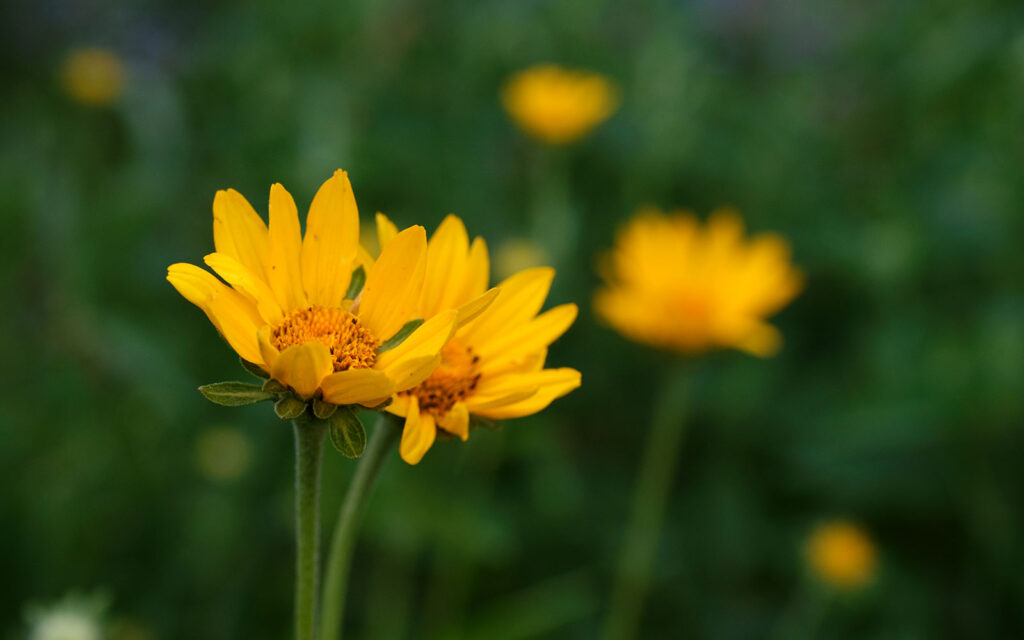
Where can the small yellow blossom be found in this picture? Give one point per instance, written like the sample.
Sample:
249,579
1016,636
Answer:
493,366
677,285
287,310
93,76
841,554
558,105
223,453
517,254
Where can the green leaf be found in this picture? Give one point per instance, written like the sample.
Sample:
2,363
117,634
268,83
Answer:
289,407
355,285
347,433
234,394
254,369
400,337
323,410
273,386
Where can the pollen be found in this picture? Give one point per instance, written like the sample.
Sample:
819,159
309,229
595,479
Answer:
352,345
454,379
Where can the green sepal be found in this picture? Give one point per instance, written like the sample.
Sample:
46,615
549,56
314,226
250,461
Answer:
289,407
234,394
347,433
323,410
475,422
253,368
355,285
273,386
400,337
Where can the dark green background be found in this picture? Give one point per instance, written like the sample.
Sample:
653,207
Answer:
884,138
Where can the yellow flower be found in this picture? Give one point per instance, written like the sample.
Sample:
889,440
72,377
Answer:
493,367
286,309
841,554
93,76
675,284
558,105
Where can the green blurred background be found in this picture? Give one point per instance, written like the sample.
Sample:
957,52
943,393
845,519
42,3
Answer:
883,138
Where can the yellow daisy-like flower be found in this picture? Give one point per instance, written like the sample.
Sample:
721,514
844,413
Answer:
841,554
677,285
493,366
93,76
286,309
558,105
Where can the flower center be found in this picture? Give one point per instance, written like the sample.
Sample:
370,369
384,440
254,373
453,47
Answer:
450,382
352,345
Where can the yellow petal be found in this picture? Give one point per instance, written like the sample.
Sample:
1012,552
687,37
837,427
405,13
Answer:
521,297
357,386
530,336
456,421
331,242
238,231
386,230
470,310
427,340
284,266
446,257
234,317
478,268
303,366
393,284
558,383
267,350
418,434
246,283
497,399
411,372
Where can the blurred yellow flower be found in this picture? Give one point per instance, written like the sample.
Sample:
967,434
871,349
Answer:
286,309
93,76
558,105
493,366
841,554
223,453
517,254
675,284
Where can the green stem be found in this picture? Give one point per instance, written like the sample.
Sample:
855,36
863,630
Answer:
385,436
647,510
309,445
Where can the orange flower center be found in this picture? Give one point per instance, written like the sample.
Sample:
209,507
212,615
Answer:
450,382
352,345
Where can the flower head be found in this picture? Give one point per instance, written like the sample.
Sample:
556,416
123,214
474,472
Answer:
289,309
677,285
841,554
493,366
558,105
93,76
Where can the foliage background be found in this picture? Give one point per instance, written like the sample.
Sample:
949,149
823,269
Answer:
883,138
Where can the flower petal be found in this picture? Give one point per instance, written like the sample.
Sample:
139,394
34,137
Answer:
530,336
393,284
331,242
357,386
427,340
386,230
410,372
284,266
303,366
470,310
246,283
418,435
456,421
238,231
446,256
552,384
267,350
232,314
521,297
